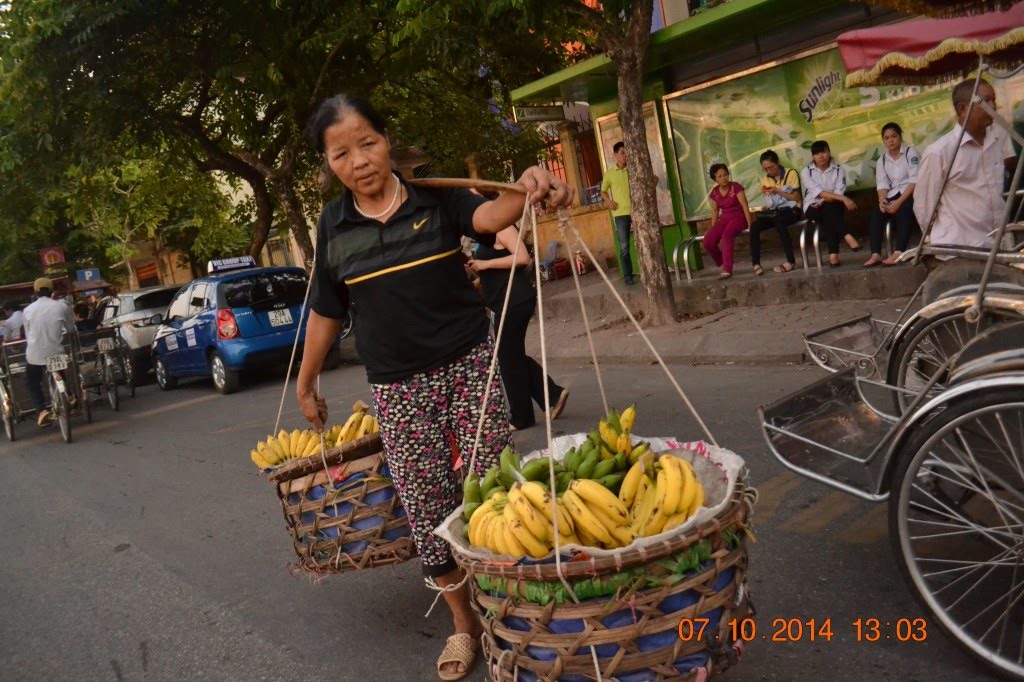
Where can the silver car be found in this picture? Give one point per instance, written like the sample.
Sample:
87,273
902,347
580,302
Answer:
133,313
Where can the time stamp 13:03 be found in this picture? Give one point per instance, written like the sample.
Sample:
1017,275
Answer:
805,630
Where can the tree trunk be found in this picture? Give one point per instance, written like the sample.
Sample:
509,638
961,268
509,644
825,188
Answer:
289,200
630,57
264,216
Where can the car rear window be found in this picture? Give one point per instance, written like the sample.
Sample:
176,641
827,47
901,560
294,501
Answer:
264,291
155,300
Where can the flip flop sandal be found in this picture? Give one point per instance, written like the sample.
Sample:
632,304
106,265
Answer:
725,275
460,648
758,270
873,263
782,269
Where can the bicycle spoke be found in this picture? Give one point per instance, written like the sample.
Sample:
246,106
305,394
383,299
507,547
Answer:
950,513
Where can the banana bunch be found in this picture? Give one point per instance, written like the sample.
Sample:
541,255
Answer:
520,522
276,450
660,495
600,518
607,453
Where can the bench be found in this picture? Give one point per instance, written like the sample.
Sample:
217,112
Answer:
805,225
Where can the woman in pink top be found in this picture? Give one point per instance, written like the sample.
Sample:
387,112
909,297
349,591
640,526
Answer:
730,215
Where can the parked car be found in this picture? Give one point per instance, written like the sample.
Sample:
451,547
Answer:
225,324
131,312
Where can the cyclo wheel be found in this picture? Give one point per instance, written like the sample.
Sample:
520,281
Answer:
956,521
110,384
62,409
923,349
6,408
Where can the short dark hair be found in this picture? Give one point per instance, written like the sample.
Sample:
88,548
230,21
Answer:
963,91
334,109
44,292
617,146
715,167
82,310
769,155
891,125
819,146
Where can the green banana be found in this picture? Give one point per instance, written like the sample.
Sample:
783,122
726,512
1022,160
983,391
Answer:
468,509
572,459
510,472
637,451
537,469
612,481
595,438
603,468
562,484
471,489
492,491
490,478
586,468
613,421
621,461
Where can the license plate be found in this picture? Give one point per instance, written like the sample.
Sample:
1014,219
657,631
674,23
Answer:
105,345
56,363
280,318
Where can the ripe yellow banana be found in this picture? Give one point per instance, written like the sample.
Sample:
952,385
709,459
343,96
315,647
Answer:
293,443
690,485
258,460
584,519
530,543
597,496
512,545
364,426
532,519
477,521
608,435
623,444
353,423
631,483
494,540
645,508
304,437
672,468
627,418
698,500
359,406
313,445
586,539
539,497
275,446
336,433
675,520
623,535
655,524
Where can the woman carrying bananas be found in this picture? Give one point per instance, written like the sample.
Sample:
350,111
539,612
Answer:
421,331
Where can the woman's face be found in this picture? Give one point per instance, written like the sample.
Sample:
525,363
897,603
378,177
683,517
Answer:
823,158
358,154
722,177
771,168
892,140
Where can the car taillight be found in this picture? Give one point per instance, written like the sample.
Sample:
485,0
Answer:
226,326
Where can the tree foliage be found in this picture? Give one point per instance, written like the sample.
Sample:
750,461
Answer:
227,87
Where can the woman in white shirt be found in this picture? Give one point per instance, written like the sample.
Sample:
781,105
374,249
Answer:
825,200
895,179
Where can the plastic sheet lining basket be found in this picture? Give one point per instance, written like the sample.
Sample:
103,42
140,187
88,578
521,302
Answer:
342,509
635,632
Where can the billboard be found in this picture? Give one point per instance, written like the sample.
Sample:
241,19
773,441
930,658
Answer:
786,106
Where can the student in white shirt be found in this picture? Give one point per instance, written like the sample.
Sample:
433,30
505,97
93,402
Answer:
895,181
825,200
12,322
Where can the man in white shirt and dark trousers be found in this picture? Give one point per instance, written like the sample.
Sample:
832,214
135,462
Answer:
46,322
971,206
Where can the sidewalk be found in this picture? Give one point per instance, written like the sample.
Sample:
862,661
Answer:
746,320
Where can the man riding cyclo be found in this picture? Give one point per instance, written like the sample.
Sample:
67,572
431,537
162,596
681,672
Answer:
45,322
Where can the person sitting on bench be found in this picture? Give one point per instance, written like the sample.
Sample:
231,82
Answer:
780,188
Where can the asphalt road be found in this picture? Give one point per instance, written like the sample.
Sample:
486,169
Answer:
151,549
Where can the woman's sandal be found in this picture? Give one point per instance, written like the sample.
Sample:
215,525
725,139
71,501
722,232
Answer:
725,275
788,267
460,648
758,270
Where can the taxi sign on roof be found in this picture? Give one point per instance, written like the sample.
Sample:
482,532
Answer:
228,264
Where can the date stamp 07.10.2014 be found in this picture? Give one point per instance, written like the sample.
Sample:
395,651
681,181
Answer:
792,630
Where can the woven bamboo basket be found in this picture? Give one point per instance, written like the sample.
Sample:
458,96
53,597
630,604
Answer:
342,510
633,635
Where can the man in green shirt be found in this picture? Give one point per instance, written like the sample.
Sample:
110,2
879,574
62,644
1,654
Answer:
615,191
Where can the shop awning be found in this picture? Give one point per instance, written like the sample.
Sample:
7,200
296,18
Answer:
945,8
932,50
731,23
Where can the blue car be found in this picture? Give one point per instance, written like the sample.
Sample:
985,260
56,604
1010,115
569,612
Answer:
221,325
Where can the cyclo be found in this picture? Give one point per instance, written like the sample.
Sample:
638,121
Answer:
927,413
63,383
